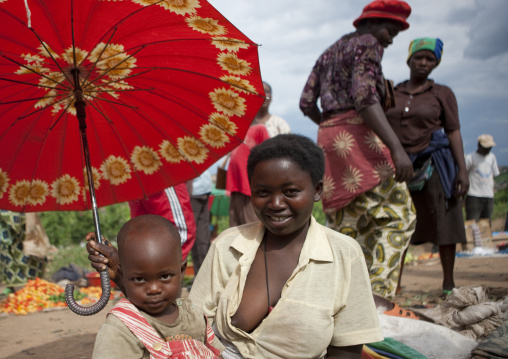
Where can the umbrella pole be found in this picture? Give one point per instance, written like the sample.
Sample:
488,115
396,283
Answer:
79,103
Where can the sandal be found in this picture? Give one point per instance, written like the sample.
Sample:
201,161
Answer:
397,311
445,294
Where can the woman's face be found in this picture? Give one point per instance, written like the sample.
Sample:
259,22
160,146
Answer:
283,196
384,32
422,63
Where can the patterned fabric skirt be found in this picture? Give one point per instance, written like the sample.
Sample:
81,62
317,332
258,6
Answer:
18,268
15,266
356,160
382,221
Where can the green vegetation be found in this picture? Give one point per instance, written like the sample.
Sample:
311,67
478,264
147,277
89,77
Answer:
67,231
76,254
500,203
66,228
501,194
78,295
318,213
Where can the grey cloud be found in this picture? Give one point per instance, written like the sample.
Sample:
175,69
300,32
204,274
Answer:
462,15
489,30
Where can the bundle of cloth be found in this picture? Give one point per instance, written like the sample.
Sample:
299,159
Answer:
495,345
467,311
466,325
431,340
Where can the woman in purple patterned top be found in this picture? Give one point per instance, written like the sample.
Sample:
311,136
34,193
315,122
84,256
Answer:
365,195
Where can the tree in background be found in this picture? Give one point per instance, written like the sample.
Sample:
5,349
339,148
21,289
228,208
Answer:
69,228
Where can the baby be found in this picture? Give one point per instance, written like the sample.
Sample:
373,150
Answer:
153,321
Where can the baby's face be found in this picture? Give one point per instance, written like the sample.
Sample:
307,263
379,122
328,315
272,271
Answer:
152,272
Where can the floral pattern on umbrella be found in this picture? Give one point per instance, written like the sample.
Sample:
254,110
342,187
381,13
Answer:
170,87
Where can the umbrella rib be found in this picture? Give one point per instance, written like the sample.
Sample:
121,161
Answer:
99,110
98,57
117,80
121,90
167,136
43,108
139,112
56,62
204,75
114,31
33,85
115,26
126,152
76,85
39,154
113,68
61,115
110,101
37,73
200,39
189,108
27,99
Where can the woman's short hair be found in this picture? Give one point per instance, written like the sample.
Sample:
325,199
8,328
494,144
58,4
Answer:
297,148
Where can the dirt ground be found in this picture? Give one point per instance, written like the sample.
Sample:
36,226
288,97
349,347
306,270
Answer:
61,334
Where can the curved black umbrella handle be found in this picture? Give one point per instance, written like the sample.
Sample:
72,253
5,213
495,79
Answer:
105,283
97,307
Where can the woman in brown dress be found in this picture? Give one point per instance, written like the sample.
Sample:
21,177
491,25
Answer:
426,121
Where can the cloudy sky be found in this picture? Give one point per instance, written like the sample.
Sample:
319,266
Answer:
293,34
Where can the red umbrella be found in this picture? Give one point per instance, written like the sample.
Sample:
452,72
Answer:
163,88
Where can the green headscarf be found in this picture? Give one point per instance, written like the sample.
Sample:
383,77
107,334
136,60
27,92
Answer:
426,43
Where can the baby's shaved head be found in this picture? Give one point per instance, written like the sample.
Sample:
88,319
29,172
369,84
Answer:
162,229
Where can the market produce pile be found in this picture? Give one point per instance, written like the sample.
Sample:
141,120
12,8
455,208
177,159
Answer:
39,294
427,255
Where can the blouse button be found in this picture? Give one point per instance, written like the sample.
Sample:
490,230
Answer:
410,96
406,109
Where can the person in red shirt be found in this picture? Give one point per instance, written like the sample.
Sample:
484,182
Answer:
237,183
173,204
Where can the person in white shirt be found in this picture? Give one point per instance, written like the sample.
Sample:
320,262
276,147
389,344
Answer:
482,168
275,125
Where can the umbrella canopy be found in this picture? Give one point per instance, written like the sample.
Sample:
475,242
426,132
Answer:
118,98
169,87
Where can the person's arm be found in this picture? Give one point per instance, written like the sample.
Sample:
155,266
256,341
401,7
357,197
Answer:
350,352
209,284
109,259
310,95
367,63
495,167
457,149
356,319
314,114
375,118
451,124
